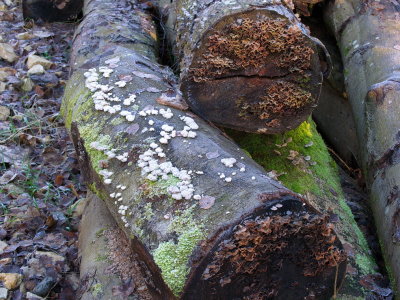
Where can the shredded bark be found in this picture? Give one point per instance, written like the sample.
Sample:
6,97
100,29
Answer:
124,262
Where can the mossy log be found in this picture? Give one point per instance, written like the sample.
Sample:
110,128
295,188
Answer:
108,267
367,33
301,161
205,220
246,65
51,10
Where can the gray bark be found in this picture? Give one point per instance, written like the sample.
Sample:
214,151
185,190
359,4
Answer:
334,115
368,36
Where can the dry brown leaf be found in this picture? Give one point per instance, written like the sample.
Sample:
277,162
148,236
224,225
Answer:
206,202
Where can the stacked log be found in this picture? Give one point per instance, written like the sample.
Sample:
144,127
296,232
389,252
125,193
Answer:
203,218
245,65
301,161
367,33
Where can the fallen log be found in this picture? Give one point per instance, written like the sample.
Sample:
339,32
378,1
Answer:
108,267
301,161
51,10
206,221
367,33
246,65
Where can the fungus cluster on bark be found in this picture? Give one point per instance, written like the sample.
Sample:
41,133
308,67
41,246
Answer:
246,65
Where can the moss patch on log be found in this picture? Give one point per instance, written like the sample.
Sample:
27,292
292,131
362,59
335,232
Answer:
90,134
79,101
299,155
173,257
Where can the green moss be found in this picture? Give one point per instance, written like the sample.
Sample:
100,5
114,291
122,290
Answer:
148,211
364,261
347,213
99,193
172,257
101,258
348,297
90,133
159,187
365,264
97,289
76,101
100,232
263,150
116,121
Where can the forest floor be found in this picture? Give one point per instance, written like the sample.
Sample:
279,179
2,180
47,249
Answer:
41,191
42,194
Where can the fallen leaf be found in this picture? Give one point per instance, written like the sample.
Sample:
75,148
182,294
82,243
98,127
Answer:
211,155
126,78
132,129
43,34
175,101
152,90
39,91
206,202
50,221
146,75
59,180
8,176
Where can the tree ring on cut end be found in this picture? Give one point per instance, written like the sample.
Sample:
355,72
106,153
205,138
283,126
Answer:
255,71
284,250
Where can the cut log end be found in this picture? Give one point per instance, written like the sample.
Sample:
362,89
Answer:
284,251
256,71
52,10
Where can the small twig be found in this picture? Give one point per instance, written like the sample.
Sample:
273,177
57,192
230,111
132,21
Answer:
335,283
341,160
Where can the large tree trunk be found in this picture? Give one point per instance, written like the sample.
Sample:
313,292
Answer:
368,36
301,161
199,212
247,65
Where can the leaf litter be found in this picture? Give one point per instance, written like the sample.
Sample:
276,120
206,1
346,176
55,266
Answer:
40,181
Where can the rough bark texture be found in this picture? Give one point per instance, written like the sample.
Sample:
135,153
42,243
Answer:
108,267
246,65
52,10
368,36
215,225
300,160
